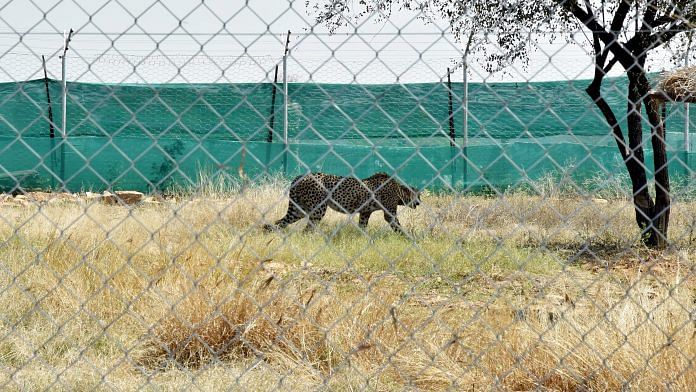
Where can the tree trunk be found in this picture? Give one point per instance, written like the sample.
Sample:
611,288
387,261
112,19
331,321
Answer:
661,210
635,163
652,217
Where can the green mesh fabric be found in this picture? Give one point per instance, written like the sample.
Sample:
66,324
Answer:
149,137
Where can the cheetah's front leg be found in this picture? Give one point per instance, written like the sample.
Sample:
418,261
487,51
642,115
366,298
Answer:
364,218
390,217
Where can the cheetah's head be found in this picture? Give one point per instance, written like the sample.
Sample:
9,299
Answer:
410,197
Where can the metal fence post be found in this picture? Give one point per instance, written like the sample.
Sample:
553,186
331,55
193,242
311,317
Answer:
465,103
66,42
465,125
285,100
452,134
67,35
687,142
285,112
285,104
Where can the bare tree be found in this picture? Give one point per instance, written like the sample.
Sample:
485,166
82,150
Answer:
622,32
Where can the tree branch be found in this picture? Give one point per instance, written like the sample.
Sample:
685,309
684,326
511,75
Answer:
623,55
589,8
654,40
600,55
620,17
611,65
649,15
664,19
665,35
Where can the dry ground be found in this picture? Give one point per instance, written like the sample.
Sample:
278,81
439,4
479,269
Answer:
514,293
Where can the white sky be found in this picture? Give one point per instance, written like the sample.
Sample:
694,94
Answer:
242,41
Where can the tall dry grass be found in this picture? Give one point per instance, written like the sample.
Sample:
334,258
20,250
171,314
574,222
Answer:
516,292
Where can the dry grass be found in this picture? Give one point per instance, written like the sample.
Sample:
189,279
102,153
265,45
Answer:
515,293
680,85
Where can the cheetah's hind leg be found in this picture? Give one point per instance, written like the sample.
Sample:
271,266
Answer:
314,217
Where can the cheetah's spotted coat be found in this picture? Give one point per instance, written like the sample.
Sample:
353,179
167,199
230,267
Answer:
312,194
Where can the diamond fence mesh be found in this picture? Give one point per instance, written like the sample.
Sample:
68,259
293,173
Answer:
532,163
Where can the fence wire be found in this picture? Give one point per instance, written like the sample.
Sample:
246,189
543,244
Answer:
388,195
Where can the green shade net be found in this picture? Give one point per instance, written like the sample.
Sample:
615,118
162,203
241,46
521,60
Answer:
151,137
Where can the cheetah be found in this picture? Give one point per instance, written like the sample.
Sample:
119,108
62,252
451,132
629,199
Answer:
311,194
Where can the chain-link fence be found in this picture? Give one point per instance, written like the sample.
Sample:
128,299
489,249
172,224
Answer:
531,160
